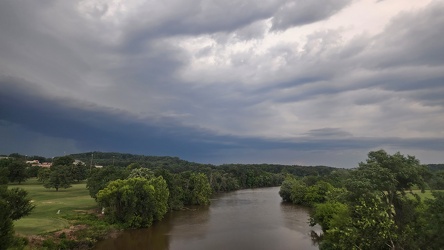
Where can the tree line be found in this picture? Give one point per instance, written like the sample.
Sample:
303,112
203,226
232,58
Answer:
14,203
370,207
373,206
138,190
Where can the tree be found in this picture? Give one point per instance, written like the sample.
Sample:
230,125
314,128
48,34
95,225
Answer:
6,226
59,177
14,204
294,190
4,173
135,202
63,161
327,214
43,175
17,171
17,156
32,171
287,187
318,193
18,201
433,222
133,165
363,225
78,172
174,183
100,177
197,189
437,181
141,172
379,215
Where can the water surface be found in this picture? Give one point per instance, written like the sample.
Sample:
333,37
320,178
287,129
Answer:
245,219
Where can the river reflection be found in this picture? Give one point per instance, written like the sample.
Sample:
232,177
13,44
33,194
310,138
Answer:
245,219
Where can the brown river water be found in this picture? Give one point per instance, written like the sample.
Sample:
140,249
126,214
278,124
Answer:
246,219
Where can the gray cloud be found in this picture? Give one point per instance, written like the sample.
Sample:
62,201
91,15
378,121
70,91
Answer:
295,13
97,78
411,39
329,133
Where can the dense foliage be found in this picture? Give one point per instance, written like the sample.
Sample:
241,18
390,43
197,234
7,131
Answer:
14,204
373,207
14,169
100,177
59,177
370,207
135,202
187,183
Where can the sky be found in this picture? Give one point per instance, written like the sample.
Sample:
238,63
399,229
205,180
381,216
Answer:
307,82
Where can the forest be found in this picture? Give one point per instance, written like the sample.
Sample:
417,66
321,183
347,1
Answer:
377,205
134,191
374,206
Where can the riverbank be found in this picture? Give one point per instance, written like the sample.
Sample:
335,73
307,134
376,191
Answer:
248,219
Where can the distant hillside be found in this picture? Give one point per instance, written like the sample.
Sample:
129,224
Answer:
123,160
436,167
175,164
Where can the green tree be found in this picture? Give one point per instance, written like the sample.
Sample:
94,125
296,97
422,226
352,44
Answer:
100,177
32,171
363,225
318,193
380,214
141,172
197,189
328,214
6,226
437,181
174,183
59,177
4,172
135,202
78,172
287,187
17,171
133,165
14,204
18,201
43,175
18,156
432,226
63,161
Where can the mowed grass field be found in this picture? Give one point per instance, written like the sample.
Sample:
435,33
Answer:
44,218
427,194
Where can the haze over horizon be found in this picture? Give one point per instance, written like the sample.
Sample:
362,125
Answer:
287,82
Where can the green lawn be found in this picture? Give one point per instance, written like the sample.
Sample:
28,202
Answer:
44,217
426,195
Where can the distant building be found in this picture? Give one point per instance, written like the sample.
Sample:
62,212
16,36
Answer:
79,162
98,166
33,162
45,164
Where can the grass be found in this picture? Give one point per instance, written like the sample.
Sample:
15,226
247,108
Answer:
44,218
426,195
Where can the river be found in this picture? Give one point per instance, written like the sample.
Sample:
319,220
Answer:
245,219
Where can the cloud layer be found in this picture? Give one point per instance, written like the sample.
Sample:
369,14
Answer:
294,82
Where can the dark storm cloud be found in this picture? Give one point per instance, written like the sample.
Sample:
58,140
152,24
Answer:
328,132
92,126
177,18
96,78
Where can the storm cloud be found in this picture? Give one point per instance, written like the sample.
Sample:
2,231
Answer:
293,82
